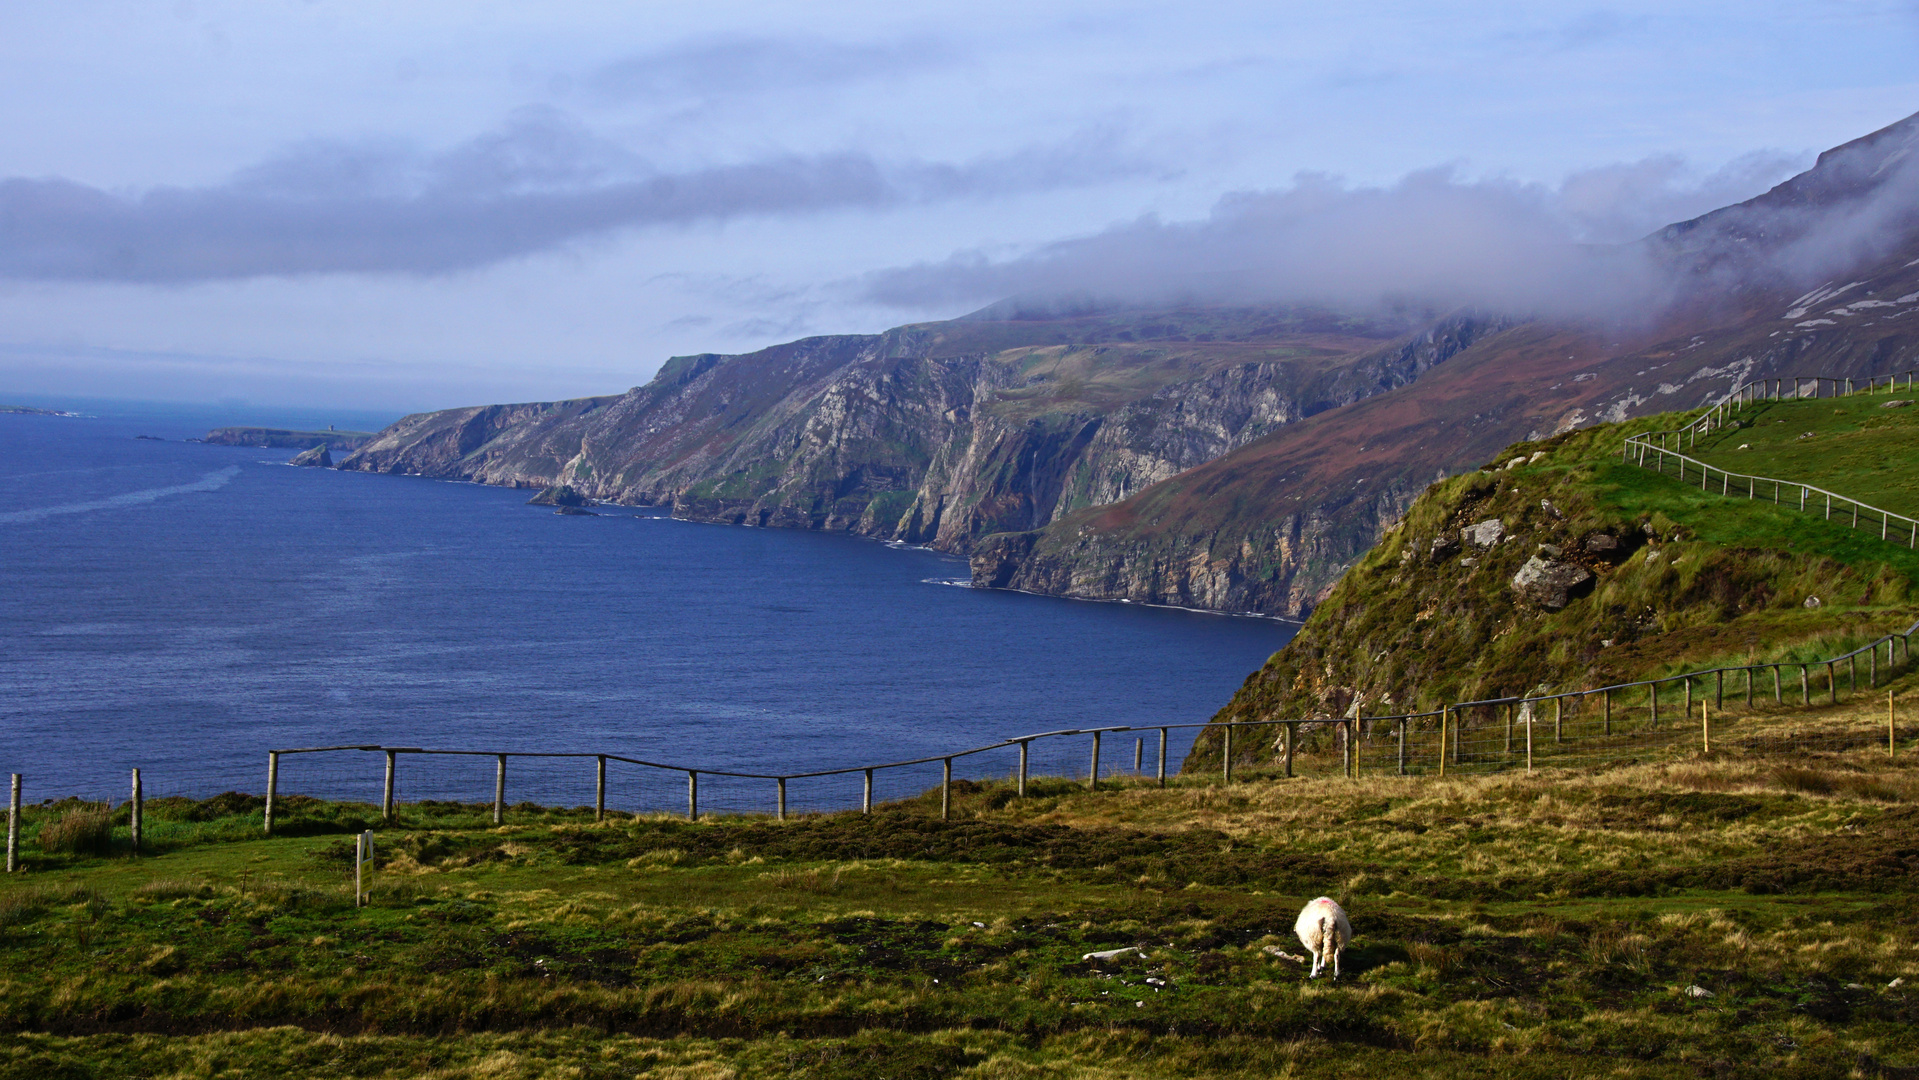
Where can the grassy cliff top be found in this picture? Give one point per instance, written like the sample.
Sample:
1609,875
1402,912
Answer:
1679,578
1506,926
1865,446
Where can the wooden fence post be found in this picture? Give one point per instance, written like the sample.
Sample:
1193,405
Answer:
1892,742
1226,759
1805,684
1445,715
13,826
599,790
1608,696
781,816
1346,748
1162,757
1139,754
386,798
1512,713
499,790
1559,719
1719,689
946,789
692,795
134,813
1832,681
1529,740
273,786
1653,691
1404,722
866,801
1705,727
1022,768
1092,782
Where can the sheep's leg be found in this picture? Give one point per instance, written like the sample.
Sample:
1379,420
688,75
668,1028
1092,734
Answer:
1336,951
1316,963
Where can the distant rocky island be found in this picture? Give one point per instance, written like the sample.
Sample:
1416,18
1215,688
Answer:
28,410
283,439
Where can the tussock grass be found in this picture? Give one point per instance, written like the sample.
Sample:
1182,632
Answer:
82,831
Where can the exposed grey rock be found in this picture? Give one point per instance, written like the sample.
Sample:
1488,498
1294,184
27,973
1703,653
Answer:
1548,583
558,495
574,511
1602,544
1444,547
1485,534
1895,404
317,457
1551,550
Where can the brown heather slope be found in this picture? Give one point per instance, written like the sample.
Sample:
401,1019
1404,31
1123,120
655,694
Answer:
1270,526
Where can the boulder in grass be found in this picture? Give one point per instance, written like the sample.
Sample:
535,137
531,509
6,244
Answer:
1549,583
1485,534
558,495
314,458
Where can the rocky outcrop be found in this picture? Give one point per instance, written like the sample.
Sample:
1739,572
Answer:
558,495
1545,582
318,457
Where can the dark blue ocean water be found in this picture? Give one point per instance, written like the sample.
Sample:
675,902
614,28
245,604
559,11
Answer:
184,608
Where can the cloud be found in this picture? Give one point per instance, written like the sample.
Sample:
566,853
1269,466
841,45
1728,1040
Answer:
738,65
1434,238
538,184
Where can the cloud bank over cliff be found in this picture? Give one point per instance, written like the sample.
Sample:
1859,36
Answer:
1435,238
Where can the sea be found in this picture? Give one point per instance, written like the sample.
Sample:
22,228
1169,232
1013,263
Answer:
185,608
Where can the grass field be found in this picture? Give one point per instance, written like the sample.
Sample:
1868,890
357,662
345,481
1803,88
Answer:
1855,446
1549,925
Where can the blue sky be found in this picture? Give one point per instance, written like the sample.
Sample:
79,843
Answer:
423,205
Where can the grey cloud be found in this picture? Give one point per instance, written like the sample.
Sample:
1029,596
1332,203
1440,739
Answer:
536,185
735,65
1433,238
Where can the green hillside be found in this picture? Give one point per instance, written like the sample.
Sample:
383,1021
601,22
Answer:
1680,578
1863,446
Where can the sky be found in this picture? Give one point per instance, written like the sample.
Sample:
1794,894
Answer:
423,205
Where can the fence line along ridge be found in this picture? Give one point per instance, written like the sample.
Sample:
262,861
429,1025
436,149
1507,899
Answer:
1638,447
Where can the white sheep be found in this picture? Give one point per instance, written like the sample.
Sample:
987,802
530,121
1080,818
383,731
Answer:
1323,929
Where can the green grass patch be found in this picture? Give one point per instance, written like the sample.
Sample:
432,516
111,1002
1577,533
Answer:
1854,446
1513,926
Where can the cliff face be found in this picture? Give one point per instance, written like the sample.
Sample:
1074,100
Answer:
1235,459
932,434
